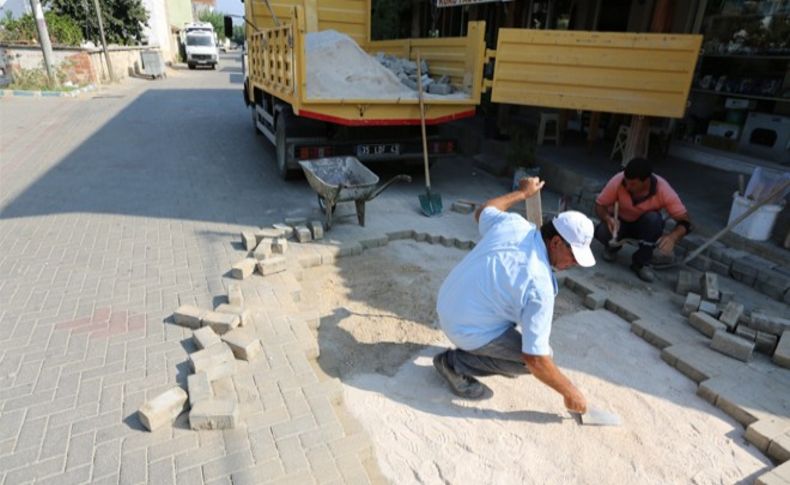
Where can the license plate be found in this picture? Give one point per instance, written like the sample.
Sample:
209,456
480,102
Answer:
378,150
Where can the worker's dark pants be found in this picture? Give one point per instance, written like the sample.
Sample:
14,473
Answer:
501,356
649,227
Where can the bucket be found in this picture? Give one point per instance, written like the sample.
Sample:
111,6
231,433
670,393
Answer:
757,226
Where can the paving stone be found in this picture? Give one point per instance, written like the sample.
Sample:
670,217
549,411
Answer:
316,229
267,233
285,230
621,310
464,245
272,265
303,234
692,304
706,324
243,269
778,476
651,332
199,387
243,343
400,235
709,307
779,449
762,432
462,207
772,283
685,283
378,242
189,316
732,345
221,322
162,409
205,337
244,314
709,283
420,236
745,332
214,414
295,221
782,353
205,359
726,296
235,297
765,343
224,390
248,240
769,323
731,314
280,246
263,250
595,301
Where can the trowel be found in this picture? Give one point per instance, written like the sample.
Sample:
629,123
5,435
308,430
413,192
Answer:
597,417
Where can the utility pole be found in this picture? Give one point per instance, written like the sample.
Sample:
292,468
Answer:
103,40
43,39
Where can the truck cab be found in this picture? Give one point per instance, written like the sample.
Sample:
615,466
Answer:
200,45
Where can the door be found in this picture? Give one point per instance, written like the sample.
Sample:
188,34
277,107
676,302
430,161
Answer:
641,74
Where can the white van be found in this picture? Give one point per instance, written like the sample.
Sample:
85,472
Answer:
200,44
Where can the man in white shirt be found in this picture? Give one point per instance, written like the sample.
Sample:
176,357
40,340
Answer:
504,283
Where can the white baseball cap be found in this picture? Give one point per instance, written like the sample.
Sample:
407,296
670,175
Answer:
577,230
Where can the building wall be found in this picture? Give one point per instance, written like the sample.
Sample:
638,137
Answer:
158,29
180,12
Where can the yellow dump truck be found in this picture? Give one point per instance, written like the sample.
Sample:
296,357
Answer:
645,74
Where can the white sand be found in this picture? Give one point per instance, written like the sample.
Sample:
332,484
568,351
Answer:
337,68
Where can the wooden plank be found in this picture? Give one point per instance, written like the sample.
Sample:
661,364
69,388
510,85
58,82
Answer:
597,57
612,40
601,78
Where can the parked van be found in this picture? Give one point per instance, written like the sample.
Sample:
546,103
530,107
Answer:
200,45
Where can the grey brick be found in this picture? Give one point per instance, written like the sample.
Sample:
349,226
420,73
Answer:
248,240
39,470
685,283
199,387
243,343
595,300
731,314
709,283
55,442
161,472
316,230
163,408
263,250
292,455
732,345
107,459
77,475
781,355
302,233
765,343
235,296
214,414
762,432
227,465
706,324
133,468
221,322
243,269
272,265
245,315
768,323
224,389
192,476
189,316
173,447
31,434
709,307
205,337
285,230
80,450
296,426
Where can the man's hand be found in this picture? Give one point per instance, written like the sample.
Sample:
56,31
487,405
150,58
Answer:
666,244
575,401
614,226
530,186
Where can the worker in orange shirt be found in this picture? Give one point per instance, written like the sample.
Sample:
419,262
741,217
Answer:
641,196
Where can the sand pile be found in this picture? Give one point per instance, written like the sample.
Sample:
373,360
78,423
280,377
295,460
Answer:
337,68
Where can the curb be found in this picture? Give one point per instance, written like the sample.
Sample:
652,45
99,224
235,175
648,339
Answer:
47,94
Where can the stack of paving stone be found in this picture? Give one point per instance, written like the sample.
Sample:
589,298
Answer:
715,314
266,250
406,71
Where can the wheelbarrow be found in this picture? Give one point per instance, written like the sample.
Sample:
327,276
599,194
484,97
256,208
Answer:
344,179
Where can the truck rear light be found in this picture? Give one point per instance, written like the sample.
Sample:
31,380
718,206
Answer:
306,153
441,147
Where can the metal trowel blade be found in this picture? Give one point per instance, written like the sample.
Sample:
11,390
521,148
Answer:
597,417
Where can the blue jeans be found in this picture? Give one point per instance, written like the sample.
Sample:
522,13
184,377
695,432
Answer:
649,227
501,356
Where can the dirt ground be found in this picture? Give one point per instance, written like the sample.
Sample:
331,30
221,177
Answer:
378,336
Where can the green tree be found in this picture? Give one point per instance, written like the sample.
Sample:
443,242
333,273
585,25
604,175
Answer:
238,34
62,30
124,20
217,19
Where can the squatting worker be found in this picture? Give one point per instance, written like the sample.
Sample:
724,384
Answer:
506,282
641,196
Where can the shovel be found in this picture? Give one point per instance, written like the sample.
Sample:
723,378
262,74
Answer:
597,417
431,203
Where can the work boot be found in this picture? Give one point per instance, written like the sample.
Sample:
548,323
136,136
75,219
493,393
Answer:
463,386
609,254
645,273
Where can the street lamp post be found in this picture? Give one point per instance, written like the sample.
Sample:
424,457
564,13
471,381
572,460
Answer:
43,39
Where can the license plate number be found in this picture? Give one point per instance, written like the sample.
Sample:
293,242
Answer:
377,150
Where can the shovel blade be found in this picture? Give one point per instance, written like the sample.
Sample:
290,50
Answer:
598,417
431,204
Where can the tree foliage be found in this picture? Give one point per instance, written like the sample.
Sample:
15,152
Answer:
124,20
62,30
217,19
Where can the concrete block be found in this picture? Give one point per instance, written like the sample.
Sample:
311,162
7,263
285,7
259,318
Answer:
374,242
400,235
203,360
726,296
280,246
782,352
769,323
732,345
273,265
316,229
709,283
224,389
295,221
762,432
765,343
651,332
448,242
189,316
420,236
214,414
440,89
618,308
199,388
778,476
779,449
746,333
731,314
221,370
350,249
243,344
243,268
685,283
205,338
706,324
285,230
462,207
248,240
235,296
692,304
595,300
221,322
464,245
303,234
709,307
162,409
263,250
244,314
267,233
434,239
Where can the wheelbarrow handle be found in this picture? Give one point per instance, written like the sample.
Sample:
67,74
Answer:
397,178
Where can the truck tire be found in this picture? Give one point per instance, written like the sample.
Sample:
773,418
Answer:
191,66
281,138
254,120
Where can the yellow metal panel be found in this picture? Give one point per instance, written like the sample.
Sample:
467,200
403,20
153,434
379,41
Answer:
348,16
645,74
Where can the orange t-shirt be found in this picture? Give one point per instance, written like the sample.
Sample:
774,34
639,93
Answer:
661,196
